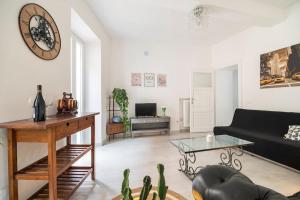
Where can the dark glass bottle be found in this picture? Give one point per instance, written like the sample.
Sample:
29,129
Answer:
39,106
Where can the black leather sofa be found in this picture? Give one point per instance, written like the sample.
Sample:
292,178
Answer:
218,182
266,129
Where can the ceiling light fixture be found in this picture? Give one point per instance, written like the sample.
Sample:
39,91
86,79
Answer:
199,14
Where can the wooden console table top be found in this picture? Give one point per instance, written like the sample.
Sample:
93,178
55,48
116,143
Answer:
51,121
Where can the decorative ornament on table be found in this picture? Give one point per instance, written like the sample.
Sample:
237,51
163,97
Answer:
209,138
163,110
39,106
67,105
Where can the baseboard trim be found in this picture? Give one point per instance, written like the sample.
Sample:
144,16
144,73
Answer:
184,130
4,192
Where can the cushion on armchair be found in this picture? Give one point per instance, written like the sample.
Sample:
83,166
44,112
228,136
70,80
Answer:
218,182
295,196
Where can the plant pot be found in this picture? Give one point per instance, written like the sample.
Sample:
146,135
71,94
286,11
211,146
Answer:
136,193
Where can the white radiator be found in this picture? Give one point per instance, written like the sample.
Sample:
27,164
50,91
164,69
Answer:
186,113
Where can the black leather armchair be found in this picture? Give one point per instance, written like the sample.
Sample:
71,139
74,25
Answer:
218,182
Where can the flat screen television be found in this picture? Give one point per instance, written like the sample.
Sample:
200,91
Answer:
145,109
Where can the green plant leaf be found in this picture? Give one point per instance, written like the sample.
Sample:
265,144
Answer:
147,186
161,188
125,183
120,95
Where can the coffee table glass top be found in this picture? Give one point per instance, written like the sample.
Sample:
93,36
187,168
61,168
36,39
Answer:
197,144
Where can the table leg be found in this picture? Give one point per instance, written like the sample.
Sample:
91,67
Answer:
69,140
93,149
185,163
228,159
12,165
52,165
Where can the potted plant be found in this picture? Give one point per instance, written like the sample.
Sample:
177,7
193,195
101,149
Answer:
121,98
147,192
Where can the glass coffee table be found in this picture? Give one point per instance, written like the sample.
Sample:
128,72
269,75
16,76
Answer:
189,146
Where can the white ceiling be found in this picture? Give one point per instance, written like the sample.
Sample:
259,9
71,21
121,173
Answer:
171,19
278,3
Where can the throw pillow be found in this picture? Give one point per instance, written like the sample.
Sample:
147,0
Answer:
293,133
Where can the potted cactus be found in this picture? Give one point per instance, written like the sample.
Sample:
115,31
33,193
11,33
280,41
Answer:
147,192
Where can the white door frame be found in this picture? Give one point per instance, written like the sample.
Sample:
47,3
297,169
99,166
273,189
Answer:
191,95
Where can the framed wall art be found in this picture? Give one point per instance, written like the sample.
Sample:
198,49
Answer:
136,79
280,68
149,79
161,80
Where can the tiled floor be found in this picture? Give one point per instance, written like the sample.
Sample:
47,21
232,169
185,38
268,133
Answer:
141,154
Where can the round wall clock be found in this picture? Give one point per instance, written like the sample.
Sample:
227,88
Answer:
39,31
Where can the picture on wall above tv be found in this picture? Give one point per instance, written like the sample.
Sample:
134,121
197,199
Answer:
280,68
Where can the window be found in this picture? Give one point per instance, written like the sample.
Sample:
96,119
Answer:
77,52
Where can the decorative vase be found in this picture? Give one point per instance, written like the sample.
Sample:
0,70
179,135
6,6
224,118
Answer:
163,109
116,119
209,138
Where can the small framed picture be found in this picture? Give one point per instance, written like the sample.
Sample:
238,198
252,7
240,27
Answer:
136,79
161,80
149,79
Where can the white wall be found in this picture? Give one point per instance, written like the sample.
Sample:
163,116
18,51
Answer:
177,60
245,48
95,25
21,71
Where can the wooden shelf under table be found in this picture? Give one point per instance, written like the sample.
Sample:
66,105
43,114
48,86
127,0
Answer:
65,157
67,183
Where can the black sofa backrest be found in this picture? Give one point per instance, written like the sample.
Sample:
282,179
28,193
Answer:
269,122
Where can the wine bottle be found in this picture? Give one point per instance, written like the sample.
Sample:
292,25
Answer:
39,106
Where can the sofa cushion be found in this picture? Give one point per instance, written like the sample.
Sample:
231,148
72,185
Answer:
293,133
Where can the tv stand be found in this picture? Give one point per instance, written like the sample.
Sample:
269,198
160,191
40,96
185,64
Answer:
149,124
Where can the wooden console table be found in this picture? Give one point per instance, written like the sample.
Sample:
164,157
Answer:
63,178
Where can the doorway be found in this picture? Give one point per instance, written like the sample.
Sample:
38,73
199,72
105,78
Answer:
201,102
226,94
